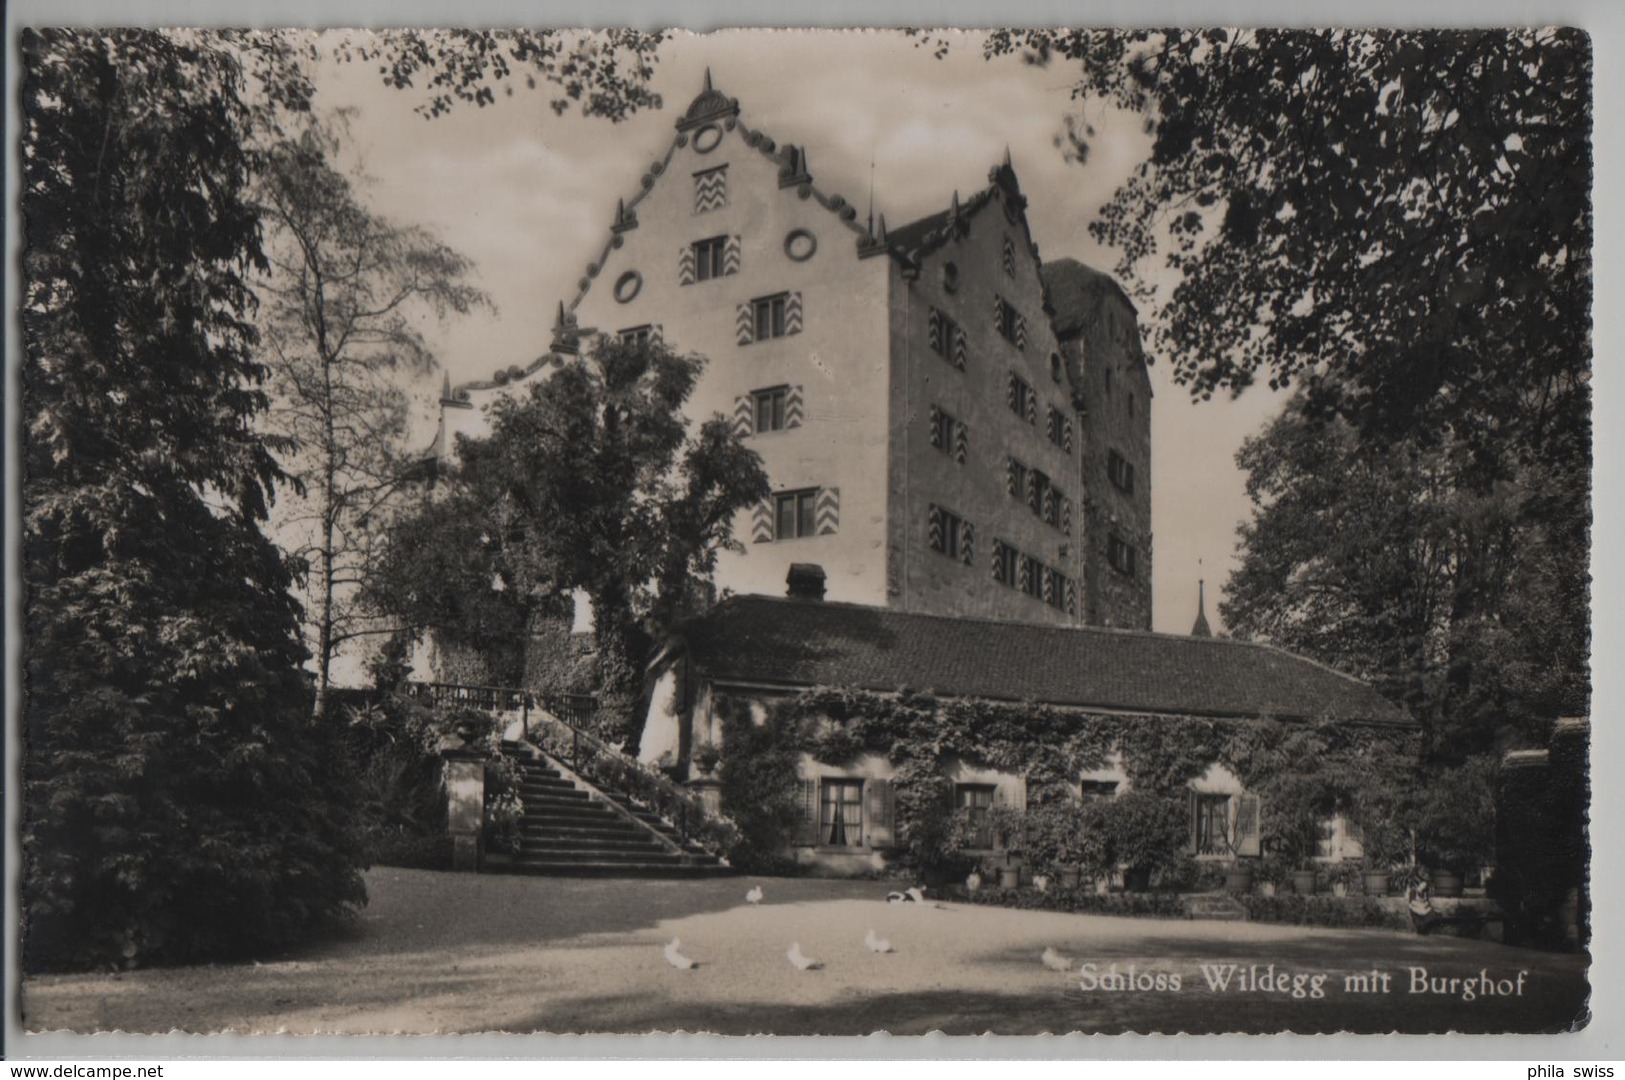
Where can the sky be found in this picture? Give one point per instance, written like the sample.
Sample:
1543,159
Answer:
529,196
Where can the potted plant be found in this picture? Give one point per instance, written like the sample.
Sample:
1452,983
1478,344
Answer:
1009,837
1238,877
1344,878
1269,875
1457,826
1303,879
973,882
706,759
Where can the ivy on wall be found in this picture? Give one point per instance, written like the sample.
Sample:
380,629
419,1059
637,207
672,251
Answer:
1303,771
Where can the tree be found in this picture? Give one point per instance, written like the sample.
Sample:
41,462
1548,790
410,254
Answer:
1384,562
1399,224
1408,209
606,72
340,311
177,802
589,481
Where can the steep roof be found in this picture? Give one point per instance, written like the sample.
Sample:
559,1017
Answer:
1074,292
780,641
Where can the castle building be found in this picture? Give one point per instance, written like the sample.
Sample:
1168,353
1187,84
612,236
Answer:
950,425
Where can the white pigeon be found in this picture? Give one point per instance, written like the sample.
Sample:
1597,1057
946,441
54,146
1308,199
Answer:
1054,960
754,896
916,895
801,961
895,898
677,959
877,944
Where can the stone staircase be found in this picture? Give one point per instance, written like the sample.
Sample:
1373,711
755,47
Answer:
567,832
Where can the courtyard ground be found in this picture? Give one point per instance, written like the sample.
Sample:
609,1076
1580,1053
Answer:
437,952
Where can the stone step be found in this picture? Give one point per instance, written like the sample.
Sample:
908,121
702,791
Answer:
549,853
564,842
551,868
582,830
569,794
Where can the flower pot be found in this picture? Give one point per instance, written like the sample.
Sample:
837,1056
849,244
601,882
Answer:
1237,880
1041,882
1446,883
1070,877
1266,888
973,883
1303,882
1009,877
1376,883
1340,888
1103,886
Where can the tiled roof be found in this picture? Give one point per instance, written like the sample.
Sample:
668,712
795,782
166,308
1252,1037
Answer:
1074,293
911,236
777,641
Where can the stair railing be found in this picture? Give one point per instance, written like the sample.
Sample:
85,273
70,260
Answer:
597,761
559,731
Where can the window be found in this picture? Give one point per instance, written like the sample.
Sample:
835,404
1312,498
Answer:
1212,824
1120,555
1055,593
711,189
1055,367
942,431
1039,496
945,530
1032,577
709,258
975,803
1099,790
1338,839
1007,321
1006,563
768,408
946,340
768,315
637,335
1120,472
794,514
1020,398
840,819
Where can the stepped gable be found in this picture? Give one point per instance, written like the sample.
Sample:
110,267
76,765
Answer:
782,642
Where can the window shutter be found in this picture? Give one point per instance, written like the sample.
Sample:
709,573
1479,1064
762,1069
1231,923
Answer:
1012,479
711,190
959,348
744,416
1248,833
657,334
933,527
685,265
882,814
745,324
936,427
792,314
827,511
1066,516
1010,400
1071,597
1066,435
1190,838
1021,333
997,562
934,332
730,256
795,409
761,522
1052,425
1009,257
807,799
1048,585
998,313
1032,408
967,543
961,443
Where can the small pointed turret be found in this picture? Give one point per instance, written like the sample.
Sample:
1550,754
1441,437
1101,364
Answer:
1201,629
708,87
445,387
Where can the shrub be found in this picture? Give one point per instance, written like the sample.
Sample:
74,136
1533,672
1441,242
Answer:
1144,832
1329,911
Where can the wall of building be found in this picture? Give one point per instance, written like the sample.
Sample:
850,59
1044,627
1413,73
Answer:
977,489
1114,389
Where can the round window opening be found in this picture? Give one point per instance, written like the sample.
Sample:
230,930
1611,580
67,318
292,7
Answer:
707,138
627,286
950,276
800,245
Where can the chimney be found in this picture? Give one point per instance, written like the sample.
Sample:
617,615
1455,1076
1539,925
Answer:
806,581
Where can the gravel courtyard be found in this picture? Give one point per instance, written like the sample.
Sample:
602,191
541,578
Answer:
450,953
